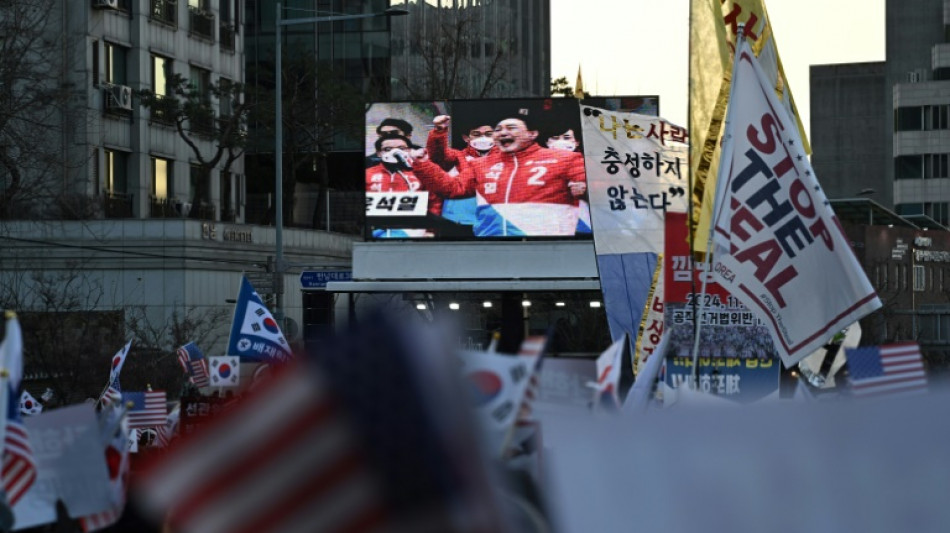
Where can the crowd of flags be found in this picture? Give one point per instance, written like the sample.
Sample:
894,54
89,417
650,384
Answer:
371,466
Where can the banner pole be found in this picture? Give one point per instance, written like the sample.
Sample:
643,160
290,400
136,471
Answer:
727,138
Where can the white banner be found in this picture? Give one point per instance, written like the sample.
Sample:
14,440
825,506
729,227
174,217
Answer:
779,247
71,466
636,171
399,204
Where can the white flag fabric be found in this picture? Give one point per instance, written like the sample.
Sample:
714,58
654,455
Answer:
608,372
497,384
778,245
224,371
118,360
639,397
29,405
636,171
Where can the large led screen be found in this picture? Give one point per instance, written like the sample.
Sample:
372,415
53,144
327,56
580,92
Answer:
479,169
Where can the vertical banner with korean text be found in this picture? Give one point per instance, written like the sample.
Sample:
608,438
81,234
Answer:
737,359
778,246
636,172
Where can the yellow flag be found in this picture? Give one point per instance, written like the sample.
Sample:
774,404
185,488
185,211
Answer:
713,28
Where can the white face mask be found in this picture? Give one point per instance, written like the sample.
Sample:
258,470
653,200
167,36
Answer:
482,144
390,156
562,144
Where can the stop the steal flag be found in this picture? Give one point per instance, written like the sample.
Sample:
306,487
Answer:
779,248
255,335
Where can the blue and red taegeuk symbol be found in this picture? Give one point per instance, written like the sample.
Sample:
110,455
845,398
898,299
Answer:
484,386
224,370
271,325
115,361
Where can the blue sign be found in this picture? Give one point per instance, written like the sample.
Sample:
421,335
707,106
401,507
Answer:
317,279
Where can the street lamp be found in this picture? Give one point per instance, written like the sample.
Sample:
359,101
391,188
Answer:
279,138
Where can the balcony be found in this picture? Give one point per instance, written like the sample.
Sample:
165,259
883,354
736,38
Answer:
117,204
201,23
163,208
164,110
164,12
227,35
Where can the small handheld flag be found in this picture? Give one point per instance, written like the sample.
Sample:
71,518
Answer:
255,335
886,370
194,364
146,409
225,371
29,405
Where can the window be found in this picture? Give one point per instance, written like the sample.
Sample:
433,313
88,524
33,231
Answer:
908,119
161,75
161,178
116,172
908,167
165,11
116,72
225,102
200,80
226,185
920,278
95,63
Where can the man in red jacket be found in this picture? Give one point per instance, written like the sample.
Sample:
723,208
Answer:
478,143
394,174
521,189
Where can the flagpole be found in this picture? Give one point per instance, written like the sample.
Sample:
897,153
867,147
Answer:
725,162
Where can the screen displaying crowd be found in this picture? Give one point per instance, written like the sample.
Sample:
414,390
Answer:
476,169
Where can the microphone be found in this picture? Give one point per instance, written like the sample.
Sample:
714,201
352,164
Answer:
402,159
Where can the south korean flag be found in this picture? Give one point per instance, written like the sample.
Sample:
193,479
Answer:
225,371
29,405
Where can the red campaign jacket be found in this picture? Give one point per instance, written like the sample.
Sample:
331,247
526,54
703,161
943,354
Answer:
532,175
380,179
440,153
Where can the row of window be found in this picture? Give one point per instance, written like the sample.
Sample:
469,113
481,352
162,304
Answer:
939,211
922,118
114,181
925,278
921,166
115,72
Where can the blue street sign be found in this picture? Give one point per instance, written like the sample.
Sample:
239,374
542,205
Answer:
317,279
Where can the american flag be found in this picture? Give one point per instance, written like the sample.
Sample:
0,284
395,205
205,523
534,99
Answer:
147,409
19,468
194,364
888,369
297,454
212,482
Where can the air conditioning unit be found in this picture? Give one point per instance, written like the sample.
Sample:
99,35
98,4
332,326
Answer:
119,97
106,4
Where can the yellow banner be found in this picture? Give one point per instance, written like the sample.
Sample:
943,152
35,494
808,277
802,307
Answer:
713,28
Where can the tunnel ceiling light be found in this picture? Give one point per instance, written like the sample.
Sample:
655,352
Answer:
454,306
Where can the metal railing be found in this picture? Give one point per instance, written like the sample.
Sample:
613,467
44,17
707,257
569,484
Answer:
164,11
227,36
201,23
117,204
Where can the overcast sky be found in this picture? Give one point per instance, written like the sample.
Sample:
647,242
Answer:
627,47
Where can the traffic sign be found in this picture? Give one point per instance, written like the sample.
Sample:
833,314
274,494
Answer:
317,279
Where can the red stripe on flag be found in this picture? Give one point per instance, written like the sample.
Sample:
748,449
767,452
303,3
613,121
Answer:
255,458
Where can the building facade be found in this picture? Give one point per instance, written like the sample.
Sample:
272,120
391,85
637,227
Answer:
472,49
116,226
